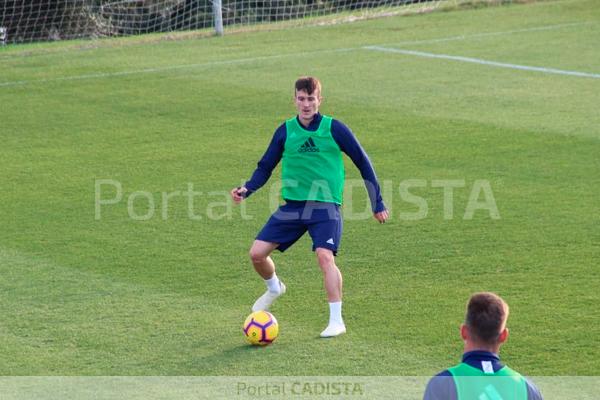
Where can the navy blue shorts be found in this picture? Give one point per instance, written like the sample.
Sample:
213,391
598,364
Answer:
323,222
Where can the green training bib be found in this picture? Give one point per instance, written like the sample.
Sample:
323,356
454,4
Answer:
475,384
312,166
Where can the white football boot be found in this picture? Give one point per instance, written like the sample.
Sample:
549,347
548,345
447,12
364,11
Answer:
266,300
333,329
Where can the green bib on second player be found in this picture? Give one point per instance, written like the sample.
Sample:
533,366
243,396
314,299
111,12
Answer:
312,167
473,383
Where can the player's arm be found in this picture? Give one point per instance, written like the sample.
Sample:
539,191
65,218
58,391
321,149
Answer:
533,393
441,387
350,145
264,168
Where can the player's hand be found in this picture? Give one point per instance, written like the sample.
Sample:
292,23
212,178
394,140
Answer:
382,216
238,194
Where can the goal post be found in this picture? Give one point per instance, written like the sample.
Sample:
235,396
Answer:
46,20
3,36
218,17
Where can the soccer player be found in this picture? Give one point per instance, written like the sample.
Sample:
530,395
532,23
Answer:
310,147
481,375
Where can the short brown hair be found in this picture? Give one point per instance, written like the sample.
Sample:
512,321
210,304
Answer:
486,316
310,84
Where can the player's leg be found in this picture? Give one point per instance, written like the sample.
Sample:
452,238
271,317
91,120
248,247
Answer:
260,254
332,278
282,230
265,267
325,229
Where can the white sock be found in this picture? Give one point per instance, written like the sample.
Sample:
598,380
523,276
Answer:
335,313
273,284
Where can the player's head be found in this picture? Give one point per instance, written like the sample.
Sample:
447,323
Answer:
309,84
485,322
307,97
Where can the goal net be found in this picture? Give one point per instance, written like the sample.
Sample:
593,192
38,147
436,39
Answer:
23,21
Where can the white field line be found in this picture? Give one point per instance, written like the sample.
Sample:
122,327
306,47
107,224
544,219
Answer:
488,34
170,68
484,62
210,64
166,68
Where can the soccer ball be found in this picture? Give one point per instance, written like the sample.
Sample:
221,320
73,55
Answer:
261,328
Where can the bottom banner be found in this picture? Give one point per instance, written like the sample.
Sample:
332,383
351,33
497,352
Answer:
284,387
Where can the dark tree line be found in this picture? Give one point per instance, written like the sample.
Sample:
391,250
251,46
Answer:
38,20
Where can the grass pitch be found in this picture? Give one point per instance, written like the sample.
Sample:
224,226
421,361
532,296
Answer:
168,295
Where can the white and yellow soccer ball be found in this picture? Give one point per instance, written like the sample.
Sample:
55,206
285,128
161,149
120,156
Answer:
261,328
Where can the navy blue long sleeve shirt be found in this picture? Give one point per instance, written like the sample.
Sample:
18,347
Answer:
442,386
344,138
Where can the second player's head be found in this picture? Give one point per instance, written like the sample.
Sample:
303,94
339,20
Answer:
485,321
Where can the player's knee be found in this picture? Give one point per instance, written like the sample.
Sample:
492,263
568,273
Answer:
325,258
257,256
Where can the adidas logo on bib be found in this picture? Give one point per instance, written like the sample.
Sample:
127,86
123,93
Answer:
308,147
